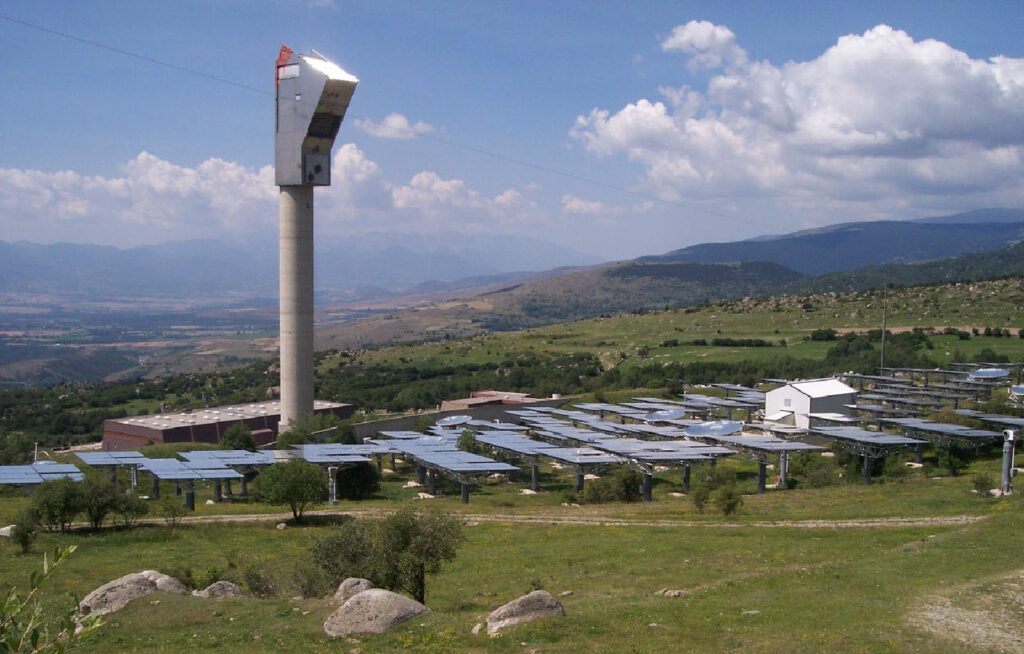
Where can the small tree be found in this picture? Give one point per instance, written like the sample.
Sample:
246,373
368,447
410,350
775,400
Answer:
56,503
295,483
27,627
170,509
358,482
467,442
24,532
238,437
954,459
130,508
411,545
98,498
396,553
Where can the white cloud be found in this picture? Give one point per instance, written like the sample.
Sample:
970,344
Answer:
155,200
709,45
573,204
394,126
877,120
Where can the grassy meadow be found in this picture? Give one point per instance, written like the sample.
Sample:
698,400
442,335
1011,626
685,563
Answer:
824,585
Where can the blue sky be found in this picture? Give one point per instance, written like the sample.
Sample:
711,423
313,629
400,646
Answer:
617,128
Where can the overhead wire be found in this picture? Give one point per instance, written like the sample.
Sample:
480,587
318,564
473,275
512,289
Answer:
447,142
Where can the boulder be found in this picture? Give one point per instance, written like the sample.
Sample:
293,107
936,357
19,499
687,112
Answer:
372,611
219,589
351,587
113,595
5,532
534,606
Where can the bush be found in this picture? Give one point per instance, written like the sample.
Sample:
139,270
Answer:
953,459
170,509
28,626
24,532
56,503
130,508
699,495
396,553
728,499
296,483
983,484
238,437
358,482
621,485
98,498
467,442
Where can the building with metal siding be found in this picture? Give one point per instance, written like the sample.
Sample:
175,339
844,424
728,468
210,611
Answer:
202,425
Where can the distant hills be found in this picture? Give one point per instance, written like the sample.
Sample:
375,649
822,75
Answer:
369,265
854,245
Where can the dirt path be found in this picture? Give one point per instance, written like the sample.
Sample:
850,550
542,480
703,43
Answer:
541,519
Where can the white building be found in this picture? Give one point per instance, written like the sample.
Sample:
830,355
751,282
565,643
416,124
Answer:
793,403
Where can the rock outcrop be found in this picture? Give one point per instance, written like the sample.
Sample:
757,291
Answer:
113,595
219,589
351,587
372,611
534,606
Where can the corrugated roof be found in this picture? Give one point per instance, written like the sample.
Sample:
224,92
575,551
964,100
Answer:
822,387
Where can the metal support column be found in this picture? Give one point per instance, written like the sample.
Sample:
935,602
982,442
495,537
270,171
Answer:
783,470
156,488
686,477
332,485
465,493
646,487
218,495
533,477
1009,439
432,481
190,496
134,474
227,488
421,474
919,453
380,463
245,487
867,469
762,470
579,481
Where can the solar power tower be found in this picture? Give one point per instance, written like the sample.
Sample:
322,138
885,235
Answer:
312,97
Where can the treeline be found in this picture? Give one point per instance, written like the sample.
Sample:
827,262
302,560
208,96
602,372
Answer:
69,414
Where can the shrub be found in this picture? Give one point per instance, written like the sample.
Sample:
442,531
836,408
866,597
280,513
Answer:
396,553
621,485
953,459
238,437
296,483
728,499
130,508
467,442
98,498
170,509
699,495
24,532
56,503
28,626
983,484
358,482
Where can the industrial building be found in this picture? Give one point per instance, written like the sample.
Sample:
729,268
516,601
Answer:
204,425
794,402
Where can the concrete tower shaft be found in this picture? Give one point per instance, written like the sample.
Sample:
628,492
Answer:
296,272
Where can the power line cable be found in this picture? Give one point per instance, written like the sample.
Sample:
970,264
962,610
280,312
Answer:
435,139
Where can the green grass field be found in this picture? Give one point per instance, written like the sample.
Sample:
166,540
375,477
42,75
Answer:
829,586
